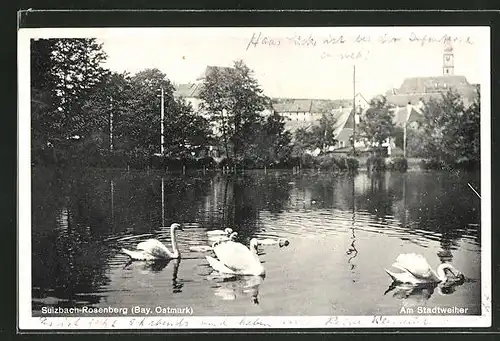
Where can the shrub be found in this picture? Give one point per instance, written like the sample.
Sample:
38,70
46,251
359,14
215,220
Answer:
398,164
432,164
352,164
375,164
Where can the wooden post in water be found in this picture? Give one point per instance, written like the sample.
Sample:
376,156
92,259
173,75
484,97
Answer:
183,169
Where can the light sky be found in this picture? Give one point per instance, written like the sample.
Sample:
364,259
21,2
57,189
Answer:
293,71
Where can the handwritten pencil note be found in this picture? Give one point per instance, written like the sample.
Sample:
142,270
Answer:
348,47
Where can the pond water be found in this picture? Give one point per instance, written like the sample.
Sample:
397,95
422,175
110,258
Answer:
343,230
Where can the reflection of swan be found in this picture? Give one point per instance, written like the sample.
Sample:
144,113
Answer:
152,249
225,232
421,292
229,288
270,241
157,266
236,258
416,270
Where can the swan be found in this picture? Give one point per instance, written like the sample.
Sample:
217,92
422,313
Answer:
207,248
219,239
270,241
235,258
153,249
225,232
416,270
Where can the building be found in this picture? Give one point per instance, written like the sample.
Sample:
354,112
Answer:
305,113
416,89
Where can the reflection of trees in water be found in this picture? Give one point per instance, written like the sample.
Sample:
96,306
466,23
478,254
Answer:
73,212
69,262
238,199
380,194
433,201
352,252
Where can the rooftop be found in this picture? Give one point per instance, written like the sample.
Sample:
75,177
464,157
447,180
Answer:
188,90
209,70
316,106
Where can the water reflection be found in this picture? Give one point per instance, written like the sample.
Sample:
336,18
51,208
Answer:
82,219
229,287
157,266
422,292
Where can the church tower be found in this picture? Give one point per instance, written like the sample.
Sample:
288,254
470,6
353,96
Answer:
448,63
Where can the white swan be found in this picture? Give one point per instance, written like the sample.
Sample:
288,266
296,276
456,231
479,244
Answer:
153,249
270,241
236,258
219,239
416,270
225,232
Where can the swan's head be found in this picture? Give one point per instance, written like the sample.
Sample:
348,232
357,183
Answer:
254,244
228,231
445,269
233,236
176,226
283,242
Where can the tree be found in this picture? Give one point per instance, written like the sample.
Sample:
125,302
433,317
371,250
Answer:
185,131
63,73
377,125
234,101
269,143
107,105
449,131
141,124
319,136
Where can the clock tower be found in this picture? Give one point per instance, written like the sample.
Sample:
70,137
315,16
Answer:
448,63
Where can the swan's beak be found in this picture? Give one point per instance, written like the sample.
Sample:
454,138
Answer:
180,228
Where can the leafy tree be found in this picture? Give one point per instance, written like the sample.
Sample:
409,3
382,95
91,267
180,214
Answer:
141,123
319,136
112,97
234,101
449,131
270,142
186,132
63,73
377,124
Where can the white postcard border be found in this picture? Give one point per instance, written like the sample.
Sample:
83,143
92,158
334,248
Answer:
27,322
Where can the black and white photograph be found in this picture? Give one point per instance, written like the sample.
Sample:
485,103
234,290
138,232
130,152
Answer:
254,177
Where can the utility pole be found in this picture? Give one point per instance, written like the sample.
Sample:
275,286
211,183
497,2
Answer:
111,126
162,117
354,111
409,109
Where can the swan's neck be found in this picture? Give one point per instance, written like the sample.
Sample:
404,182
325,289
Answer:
175,251
440,274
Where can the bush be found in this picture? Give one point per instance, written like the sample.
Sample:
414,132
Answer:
432,164
352,164
375,164
398,164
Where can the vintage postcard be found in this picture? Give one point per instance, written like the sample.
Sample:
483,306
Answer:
254,177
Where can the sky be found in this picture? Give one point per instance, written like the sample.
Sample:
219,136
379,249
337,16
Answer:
300,62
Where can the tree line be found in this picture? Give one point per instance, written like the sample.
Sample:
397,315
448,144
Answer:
83,112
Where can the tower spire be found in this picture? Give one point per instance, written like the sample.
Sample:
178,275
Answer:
448,60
